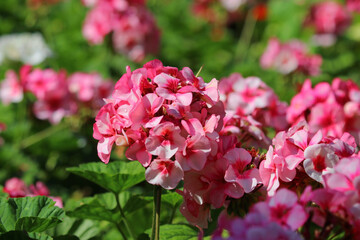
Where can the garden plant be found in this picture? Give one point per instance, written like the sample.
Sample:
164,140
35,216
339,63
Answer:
179,119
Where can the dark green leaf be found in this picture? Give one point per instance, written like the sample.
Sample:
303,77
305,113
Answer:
176,232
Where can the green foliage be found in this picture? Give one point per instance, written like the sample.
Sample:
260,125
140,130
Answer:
31,214
177,232
115,177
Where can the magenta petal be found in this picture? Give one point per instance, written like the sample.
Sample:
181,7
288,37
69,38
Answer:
283,197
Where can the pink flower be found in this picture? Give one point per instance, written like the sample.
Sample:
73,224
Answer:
168,88
195,213
105,130
328,17
135,33
164,172
165,140
255,226
15,187
289,57
239,159
44,82
284,209
98,23
143,114
320,160
353,5
195,153
11,89
90,88
133,28
39,189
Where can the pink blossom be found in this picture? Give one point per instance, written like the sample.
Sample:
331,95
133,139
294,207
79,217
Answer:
39,189
320,160
195,213
168,88
133,28
165,140
195,153
164,172
253,227
353,5
328,17
289,57
239,159
90,88
143,114
284,209
105,132
98,23
135,33
11,89
15,187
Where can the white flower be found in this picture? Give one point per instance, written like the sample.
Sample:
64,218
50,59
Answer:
29,48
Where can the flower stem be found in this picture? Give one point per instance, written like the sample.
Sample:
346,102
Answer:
126,223
245,38
156,213
39,136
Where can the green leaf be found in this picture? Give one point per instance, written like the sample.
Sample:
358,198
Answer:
100,207
172,198
115,177
104,206
31,214
176,232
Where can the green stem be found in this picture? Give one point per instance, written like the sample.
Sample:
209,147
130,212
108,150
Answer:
173,211
156,213
246,35
39,136
121,231
126,223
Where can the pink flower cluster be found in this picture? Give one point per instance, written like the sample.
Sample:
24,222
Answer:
329,19
251,106
230,173
274,219
57,95
170,120
331,108
16,188
133,28
298,151
290,57
353,5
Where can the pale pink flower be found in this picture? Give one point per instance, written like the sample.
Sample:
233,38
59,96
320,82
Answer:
320,159
11,89
164,172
